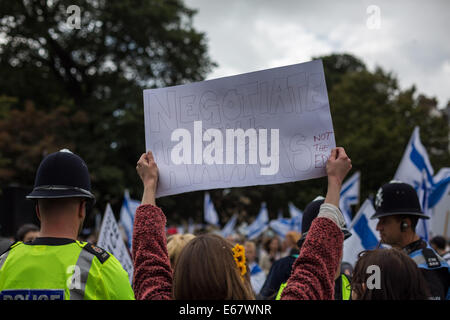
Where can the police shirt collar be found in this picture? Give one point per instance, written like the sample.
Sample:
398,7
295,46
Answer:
414,246
51,241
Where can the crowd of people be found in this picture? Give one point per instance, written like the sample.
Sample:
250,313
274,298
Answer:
302,266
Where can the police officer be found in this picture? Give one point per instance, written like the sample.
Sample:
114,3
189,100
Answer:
55,265
398,210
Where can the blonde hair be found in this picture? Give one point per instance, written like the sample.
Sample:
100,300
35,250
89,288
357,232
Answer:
293,237
176,243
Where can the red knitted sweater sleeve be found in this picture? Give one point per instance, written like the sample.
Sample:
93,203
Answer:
152,277
312,276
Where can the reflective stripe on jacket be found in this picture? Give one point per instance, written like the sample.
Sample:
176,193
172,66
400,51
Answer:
345,288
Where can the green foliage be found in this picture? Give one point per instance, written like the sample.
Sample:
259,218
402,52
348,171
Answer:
28,134
99,70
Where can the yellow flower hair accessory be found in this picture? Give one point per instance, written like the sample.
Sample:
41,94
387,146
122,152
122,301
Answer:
239,258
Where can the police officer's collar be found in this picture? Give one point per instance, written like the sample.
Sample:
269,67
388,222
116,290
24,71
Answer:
414,246
50,241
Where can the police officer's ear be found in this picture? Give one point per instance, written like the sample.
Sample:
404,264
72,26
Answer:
38,213
404,226
82,207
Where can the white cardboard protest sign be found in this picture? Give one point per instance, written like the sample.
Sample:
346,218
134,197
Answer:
265,127
111,240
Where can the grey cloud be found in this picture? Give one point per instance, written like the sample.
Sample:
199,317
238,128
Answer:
412,41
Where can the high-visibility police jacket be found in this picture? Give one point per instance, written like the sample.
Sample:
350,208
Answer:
59,268
435,269
342,290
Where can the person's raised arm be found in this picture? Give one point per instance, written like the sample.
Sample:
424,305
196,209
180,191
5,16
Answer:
313,272
152,278
338,165
148,171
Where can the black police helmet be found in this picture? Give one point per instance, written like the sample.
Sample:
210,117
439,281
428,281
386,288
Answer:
395,198
62,174
309,214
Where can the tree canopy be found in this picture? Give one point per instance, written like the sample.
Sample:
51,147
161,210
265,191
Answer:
96,73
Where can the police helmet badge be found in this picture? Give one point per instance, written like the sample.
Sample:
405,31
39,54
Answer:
379,198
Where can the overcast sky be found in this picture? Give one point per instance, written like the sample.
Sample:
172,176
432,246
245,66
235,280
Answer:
412,39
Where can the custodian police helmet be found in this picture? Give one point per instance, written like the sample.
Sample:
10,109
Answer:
395,198
62,174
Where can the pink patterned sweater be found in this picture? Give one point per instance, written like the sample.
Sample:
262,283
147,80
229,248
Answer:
312,274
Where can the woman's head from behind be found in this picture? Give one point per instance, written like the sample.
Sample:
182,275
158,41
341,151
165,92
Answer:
292,238
387,274
206,270
175,244
273,245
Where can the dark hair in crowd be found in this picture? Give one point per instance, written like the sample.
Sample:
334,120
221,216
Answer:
23,230
267,242
439,242
206,270
400,278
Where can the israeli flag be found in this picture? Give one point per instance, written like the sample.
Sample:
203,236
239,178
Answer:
260,224
439,202
349,196
294,211
415,169
280,214
210,213
191,226
281,226
364,234
127,213
441,181
228,229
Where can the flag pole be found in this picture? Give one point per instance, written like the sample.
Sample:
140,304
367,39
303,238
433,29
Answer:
446,223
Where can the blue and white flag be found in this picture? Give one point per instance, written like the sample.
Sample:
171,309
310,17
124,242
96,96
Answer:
127,213
210,213
439,202
415,169
280,214
281,225
228,229
191,226
294,211
296,223
364,234
296,217
260,224
441,181
349,196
